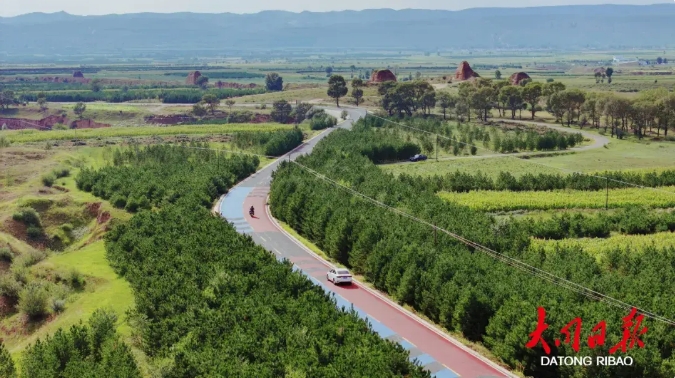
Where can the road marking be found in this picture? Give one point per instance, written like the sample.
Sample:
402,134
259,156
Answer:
277,252
372,317
414,346
447,367
263,239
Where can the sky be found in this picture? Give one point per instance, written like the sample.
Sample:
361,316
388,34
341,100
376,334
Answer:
95,7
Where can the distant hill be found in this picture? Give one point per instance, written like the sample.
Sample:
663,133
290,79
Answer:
560,27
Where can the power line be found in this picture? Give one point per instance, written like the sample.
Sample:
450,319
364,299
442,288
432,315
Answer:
526,160
536,272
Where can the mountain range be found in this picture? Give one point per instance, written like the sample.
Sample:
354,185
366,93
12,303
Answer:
556,27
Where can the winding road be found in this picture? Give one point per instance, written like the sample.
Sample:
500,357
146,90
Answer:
443,356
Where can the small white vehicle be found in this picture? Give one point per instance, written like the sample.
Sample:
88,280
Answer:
339,275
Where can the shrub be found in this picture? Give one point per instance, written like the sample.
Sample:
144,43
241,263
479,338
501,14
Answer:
118,201
61,172
27,216
30,258
67,227
33,301
20,273
322,121
76,279
34,232
58,305
6,254
48,179
60,126
4,142
9,286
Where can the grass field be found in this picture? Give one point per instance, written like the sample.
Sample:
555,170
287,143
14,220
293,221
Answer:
104,289
618,155
29,136
563,199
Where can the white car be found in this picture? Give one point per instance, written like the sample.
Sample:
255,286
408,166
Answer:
339,275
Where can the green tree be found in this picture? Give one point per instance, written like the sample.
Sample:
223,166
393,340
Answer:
7,369
512,97
7,99
198,110
446,101
211,101
553,88
202,81
498,75
300,112
42,101
95,85
274,82
33,301
337,87
532,93
281,111
466,92
357,92
230,103
79,109
609,72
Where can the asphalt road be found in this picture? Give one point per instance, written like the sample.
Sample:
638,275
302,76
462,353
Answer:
441,355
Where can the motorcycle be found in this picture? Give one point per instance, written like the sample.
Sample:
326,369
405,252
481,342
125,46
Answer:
251,211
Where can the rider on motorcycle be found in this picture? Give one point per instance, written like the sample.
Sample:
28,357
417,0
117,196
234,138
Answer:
251,211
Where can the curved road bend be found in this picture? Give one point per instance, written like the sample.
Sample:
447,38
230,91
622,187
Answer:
438,353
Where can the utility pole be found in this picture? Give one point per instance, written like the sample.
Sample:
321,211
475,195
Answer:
436,148
607,193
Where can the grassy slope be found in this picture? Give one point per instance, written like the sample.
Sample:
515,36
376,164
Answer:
26,136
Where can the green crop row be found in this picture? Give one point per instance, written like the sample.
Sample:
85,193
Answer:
599,247
485,200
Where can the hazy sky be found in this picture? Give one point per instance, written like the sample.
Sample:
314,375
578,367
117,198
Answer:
86,7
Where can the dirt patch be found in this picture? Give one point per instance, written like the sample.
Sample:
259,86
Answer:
7,306
103,217
93,208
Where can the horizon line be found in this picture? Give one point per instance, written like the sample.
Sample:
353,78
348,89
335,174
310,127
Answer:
338,11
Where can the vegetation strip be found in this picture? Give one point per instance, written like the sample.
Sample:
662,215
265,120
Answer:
483,299
224,293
